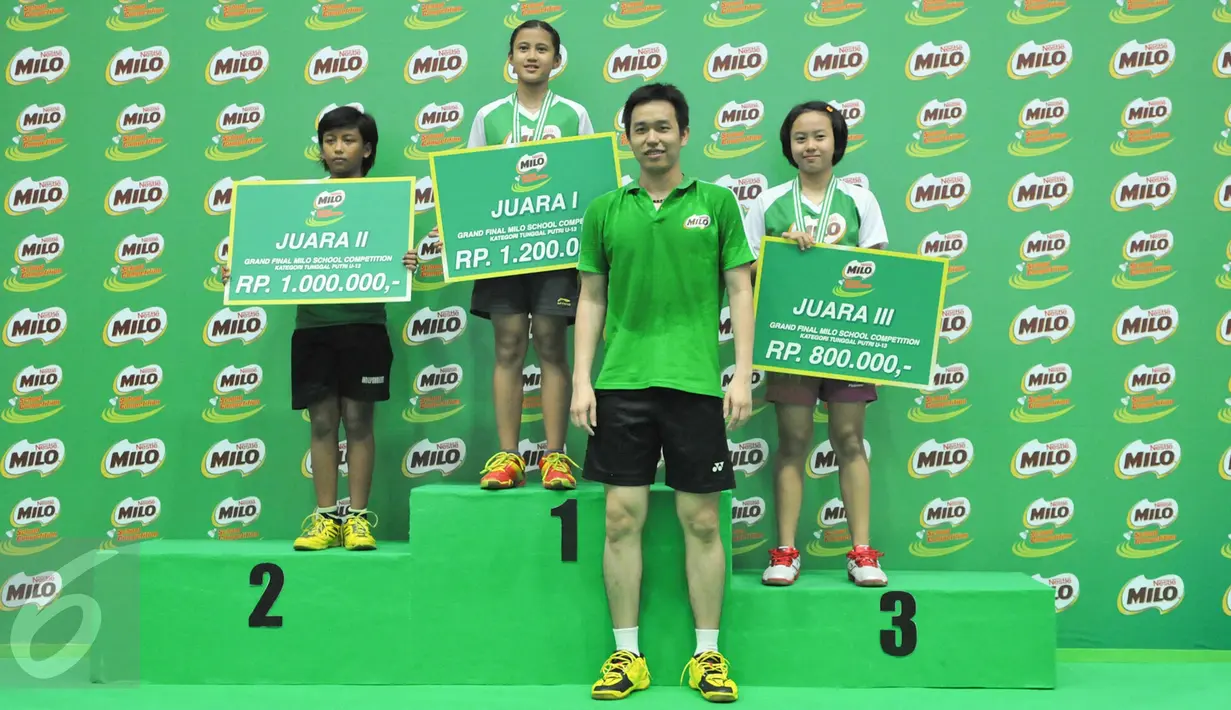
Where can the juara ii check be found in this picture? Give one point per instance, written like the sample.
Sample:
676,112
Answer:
863,315
517,209
320,241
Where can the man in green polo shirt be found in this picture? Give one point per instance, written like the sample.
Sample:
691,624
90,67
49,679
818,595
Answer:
655,258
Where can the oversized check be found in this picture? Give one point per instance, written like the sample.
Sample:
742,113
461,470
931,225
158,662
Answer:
863,315
506,210
320,241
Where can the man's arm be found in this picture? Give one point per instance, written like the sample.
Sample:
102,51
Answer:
591,315
737,259
739,295
592,303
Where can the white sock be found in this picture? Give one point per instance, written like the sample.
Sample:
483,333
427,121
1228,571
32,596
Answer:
707,640
626,640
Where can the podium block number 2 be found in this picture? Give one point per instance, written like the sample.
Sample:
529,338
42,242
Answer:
567,513
260,618
904,604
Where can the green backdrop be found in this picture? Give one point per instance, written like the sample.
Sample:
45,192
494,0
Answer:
1071,158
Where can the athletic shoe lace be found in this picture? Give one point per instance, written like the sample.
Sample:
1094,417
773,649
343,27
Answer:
615,669
501,460
314,525
865,557
714,669
782,558
557,463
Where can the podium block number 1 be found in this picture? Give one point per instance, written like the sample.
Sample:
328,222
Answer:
567,513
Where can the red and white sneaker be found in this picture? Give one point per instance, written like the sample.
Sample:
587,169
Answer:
783,567
863,569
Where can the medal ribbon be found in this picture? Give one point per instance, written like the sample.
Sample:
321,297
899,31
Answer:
539,126
818,230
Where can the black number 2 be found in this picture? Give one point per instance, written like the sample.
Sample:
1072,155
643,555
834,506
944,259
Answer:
260,618
904,621
567,513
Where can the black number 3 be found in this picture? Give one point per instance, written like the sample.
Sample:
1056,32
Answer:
260,618
904,621
567,513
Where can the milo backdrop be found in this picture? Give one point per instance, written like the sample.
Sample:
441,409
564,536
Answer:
1070,159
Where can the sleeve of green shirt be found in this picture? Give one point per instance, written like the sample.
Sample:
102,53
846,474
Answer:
733,240
592,258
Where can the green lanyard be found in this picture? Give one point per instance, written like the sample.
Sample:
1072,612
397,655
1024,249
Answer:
818,231
539,126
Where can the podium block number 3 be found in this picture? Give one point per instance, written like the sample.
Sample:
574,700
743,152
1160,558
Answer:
904,604
260,618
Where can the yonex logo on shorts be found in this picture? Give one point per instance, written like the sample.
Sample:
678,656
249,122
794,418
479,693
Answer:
697,221
372,380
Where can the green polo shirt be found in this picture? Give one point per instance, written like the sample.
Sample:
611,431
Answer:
665,285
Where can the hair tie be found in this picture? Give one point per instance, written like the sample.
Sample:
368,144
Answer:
829,108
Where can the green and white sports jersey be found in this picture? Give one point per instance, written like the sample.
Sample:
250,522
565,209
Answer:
493,124
854,216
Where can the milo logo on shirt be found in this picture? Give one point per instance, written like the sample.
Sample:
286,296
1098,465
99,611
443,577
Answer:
855,280
325,208
697,221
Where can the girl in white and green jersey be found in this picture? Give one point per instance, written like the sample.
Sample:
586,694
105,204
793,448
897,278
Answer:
532,112
812,208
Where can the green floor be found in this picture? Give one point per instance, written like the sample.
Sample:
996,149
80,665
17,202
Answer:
1101,685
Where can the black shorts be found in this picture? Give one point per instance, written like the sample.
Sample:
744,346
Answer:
351,360
547,293
634,426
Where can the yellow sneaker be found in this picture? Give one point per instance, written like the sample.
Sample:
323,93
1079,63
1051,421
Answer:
357,531
319,532
557,470
622,674
708,674
504,470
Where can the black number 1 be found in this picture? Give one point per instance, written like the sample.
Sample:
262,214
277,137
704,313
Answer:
567,513
260,618
904,620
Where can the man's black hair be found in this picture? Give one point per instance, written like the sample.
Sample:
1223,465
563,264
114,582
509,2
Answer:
349,117
835,117
656,92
